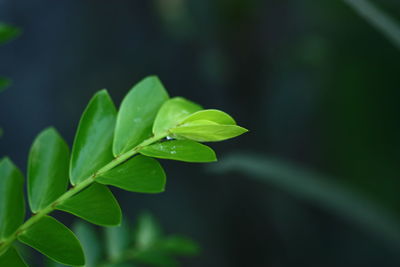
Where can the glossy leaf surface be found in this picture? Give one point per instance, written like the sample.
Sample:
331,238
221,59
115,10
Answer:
12,258
137,113
173,112
207,131
95,204
47,169
90,242
54,240
183,150
12,205
213,115
92,147
139,174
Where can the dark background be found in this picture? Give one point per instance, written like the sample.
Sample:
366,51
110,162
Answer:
313,81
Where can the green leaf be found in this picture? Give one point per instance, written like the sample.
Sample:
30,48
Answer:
178,245
207,131
173,112
147,232
117,241
8,32
47,169
12,258
213,115
4,83
12,205
137,113
90,243
139,174
92,147
183,150
96,204
54,240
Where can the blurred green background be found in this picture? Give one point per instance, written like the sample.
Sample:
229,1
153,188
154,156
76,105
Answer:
316,83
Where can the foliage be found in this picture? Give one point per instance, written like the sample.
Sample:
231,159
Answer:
145,244
105,152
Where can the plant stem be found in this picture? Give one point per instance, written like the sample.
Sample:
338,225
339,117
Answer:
74,190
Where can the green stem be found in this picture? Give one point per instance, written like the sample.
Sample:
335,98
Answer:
74,190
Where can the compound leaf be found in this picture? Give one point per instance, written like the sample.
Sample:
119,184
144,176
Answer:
96,204
54,240
93,140
139,174
173,112
137,113
12,205
183,150
12,258
47,169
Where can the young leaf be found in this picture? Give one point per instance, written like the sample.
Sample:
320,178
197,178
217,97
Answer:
140,174
90,243
12,205
171,113
8,32
147,232
213,115
54,240
183,150
207,131
47,169
93,140
4,83
137,113
96,204
178,245
12,258
117,241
